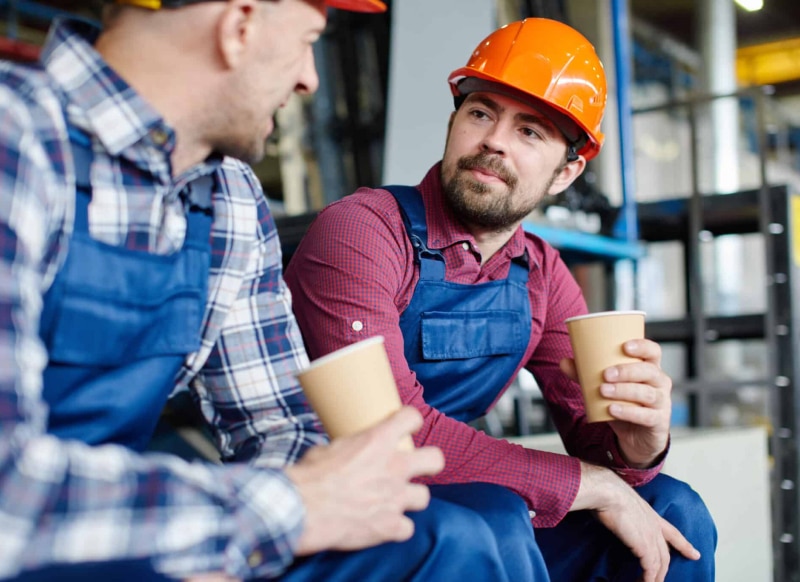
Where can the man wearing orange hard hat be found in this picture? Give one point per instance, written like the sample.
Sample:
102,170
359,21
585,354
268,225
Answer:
465,298
139,258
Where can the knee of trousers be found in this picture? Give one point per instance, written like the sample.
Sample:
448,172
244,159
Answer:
683,507
449,526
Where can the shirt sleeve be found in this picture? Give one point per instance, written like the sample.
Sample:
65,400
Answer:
63,501
247,387
346,277
593,442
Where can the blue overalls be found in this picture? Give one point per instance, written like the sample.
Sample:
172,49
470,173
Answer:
464,343
118,325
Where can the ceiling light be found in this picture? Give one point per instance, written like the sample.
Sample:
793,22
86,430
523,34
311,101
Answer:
751,5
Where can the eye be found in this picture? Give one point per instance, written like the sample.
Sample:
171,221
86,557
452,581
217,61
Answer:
531,132
479,114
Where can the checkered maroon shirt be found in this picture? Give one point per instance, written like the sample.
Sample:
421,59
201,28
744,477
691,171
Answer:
354,274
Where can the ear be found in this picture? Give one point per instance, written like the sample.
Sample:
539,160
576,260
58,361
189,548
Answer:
236,29
567,175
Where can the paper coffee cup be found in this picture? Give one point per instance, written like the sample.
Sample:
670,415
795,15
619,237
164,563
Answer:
353,388
597,340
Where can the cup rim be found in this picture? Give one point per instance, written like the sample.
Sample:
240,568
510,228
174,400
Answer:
343,351
605,314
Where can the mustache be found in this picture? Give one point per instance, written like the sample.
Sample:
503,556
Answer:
487,162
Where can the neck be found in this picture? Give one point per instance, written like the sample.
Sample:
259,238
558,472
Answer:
491,241
170,87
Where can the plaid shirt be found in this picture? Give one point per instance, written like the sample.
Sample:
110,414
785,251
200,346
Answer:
64,501
354,274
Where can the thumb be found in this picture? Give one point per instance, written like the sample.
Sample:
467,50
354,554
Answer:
402,423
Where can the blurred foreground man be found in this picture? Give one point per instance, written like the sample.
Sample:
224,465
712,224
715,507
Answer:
138,258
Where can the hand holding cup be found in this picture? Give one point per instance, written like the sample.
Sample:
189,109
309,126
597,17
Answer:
597,340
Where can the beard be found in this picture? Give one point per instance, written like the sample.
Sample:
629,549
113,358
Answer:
240,130
477,204
250,151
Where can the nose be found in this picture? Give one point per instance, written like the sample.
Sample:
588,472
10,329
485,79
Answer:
495,140
308,81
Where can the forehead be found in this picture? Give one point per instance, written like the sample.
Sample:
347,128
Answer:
308,15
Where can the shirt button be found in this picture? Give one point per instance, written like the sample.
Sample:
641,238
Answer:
610,455
465,246
255,559
358,326
532,514
159,137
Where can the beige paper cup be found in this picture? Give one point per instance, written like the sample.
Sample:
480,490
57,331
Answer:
353,388
597,340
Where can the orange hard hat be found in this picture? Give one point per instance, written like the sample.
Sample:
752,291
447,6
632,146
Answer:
552,67
352,5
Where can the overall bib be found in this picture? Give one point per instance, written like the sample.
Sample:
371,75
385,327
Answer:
464,343
118,324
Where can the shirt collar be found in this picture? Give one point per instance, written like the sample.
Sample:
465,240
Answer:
444,229
98,99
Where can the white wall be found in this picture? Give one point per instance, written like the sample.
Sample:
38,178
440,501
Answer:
730,471
430,38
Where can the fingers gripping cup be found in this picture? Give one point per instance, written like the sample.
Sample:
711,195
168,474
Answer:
597,340
353,388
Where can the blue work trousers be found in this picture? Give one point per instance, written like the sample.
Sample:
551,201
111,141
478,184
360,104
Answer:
482,532
581,549
469,532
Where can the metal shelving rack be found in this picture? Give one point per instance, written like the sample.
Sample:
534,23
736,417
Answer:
774,212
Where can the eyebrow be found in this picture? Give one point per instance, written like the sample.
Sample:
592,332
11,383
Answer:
530,118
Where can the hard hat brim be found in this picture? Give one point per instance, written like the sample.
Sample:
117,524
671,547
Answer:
357,5
351,5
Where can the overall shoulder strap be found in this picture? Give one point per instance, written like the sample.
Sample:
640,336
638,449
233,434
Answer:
412,209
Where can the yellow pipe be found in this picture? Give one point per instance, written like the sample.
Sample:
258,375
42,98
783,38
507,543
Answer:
768,63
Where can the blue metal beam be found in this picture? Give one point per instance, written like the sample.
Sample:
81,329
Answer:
627,224
584,244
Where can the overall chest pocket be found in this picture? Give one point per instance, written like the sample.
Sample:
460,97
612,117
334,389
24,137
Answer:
461,335
116,306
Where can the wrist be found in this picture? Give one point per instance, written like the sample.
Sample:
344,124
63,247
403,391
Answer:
644,460
599,488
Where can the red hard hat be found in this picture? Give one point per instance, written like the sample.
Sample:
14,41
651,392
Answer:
548,64
357,5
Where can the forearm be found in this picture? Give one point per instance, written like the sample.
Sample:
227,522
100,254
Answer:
187,518
547,481
252,350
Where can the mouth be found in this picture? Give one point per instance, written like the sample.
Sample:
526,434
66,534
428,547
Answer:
486,175
487,170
